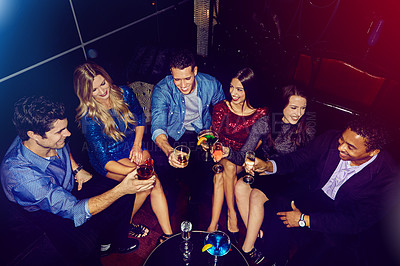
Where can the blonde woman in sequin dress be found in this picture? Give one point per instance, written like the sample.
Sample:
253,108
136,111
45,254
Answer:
112,122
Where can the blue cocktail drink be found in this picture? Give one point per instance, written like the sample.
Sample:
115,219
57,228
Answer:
221,244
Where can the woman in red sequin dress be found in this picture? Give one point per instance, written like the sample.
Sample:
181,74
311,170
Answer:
232,120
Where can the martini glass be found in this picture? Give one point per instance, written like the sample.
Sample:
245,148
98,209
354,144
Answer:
208,138
220,244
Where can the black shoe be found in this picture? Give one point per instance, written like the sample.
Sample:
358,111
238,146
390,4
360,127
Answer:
259,240
105,250
254,256
234,237
162,238
130,245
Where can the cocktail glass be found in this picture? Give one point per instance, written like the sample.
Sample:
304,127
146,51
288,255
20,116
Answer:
217,152
206,139
220,244
146,170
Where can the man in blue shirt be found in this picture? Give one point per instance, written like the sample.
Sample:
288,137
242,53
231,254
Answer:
38,173
172,115
180,109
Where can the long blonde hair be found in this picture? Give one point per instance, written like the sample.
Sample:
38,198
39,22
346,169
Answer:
83,85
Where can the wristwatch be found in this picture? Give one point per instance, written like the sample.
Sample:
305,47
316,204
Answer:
302,223
77,169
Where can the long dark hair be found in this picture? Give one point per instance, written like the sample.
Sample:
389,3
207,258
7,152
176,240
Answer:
298,132
250,84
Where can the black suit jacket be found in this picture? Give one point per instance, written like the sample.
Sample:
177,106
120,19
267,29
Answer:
361,201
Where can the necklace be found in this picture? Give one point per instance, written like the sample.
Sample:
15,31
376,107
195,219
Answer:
243,109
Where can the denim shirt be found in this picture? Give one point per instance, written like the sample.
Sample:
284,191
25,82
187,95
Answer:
38,183
168,105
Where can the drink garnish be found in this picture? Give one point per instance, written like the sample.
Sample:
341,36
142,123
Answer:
201,140
208,137
207,246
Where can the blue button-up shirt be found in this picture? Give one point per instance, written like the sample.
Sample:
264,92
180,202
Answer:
38,183
168,105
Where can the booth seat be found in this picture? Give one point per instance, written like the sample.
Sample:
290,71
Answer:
339,90
24,243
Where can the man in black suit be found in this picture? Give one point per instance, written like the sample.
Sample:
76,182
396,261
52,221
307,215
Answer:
351,180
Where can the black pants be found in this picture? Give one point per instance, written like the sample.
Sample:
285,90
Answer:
195,180
82,244
278,238
312,248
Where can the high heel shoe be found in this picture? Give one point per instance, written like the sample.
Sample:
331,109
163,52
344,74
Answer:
162,238
255,256
216,229
260,238
234,237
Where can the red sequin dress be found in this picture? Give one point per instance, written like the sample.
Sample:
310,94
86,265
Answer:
233,129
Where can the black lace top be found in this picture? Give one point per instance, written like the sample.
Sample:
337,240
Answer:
281,134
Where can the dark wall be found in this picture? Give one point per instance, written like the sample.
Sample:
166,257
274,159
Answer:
40,46
270,33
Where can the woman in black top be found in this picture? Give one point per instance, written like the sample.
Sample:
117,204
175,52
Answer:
280,133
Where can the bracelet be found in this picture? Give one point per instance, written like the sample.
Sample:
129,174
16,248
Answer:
77,169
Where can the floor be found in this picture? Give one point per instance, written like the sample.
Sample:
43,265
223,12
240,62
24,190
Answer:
146,216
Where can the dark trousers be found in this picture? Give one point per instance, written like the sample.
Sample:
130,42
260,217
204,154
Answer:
278,239
328,250
82,244
310,247
195,180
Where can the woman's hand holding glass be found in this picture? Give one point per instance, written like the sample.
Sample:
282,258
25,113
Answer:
217,157
258,166
261,166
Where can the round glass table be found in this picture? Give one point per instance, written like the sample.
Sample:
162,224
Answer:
169,253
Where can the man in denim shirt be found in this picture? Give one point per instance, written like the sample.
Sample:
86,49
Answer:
180,110
39,173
